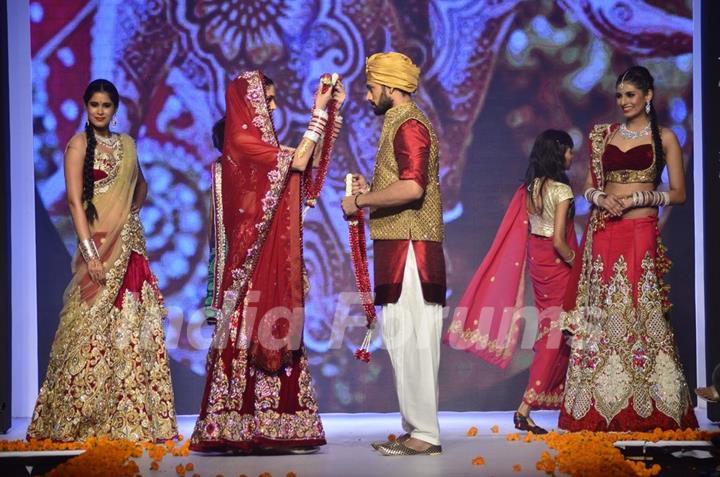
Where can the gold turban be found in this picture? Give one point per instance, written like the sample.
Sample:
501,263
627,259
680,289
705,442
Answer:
394,70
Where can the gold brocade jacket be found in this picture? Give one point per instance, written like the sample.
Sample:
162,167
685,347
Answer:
420,219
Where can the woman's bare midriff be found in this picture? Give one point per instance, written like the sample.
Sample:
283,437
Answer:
626,190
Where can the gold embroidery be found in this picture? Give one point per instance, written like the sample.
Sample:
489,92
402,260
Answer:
421,220
553,193
108,157
543,400
236,427
622,350
306,397
481,341
108,376
268,421
220,239
267,390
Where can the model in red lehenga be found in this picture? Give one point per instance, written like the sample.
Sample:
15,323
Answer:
537,229
624,373
108,374
258,392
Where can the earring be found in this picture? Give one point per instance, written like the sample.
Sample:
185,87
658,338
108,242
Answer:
647,107
114,121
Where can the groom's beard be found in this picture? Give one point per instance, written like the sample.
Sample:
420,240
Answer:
383,104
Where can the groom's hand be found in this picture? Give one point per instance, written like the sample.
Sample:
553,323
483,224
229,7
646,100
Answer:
348,206
359,184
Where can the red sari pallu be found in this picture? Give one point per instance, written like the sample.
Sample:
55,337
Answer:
258,390
624,373
487,322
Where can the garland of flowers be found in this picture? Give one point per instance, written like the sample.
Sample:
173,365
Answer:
313,186
358,250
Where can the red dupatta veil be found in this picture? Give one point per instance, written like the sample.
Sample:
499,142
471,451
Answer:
258,270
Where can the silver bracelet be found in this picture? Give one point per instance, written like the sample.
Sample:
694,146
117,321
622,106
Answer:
88,250
312,135
321,113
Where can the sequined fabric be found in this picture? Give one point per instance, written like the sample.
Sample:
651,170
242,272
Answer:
421,220
252,407
624,372
109,372
552,193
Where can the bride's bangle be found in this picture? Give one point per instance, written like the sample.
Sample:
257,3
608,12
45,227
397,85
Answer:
571,259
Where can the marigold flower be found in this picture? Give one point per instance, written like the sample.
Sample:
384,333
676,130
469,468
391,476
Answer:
392,437
479,460
291,474
472,432
179,469
154,465
517,468
189,466
495,429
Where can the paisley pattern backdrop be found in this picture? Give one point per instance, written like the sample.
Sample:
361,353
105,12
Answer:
495,73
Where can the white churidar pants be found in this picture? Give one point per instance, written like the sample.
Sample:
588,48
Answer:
411,331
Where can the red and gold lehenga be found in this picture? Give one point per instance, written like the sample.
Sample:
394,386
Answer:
258,392
624,373
109,373
487,320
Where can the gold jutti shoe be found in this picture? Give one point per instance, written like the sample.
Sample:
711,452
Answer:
376,444
398,448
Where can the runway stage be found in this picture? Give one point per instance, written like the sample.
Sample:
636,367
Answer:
348,452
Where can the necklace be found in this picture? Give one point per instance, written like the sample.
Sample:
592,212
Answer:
628,134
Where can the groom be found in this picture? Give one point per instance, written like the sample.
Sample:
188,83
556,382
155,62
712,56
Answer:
407,231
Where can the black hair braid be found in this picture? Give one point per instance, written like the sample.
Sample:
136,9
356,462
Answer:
657,140
95,86
88,178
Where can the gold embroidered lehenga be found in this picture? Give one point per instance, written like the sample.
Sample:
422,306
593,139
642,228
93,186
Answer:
624,373
109,373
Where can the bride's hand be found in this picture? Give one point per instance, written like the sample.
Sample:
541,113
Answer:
339,94
323,98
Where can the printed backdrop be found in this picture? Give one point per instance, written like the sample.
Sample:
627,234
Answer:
495,73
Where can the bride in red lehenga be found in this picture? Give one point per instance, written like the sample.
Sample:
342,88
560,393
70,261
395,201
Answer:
624,373
258,392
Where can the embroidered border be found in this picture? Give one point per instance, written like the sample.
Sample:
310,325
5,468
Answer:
220,238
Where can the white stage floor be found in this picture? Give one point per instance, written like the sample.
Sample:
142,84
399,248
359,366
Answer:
348,452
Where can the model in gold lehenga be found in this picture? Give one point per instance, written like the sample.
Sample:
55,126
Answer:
108,374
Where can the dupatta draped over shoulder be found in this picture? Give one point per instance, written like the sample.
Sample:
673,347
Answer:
109,372
257,272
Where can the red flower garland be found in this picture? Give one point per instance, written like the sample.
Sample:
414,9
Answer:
313,186
358,250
